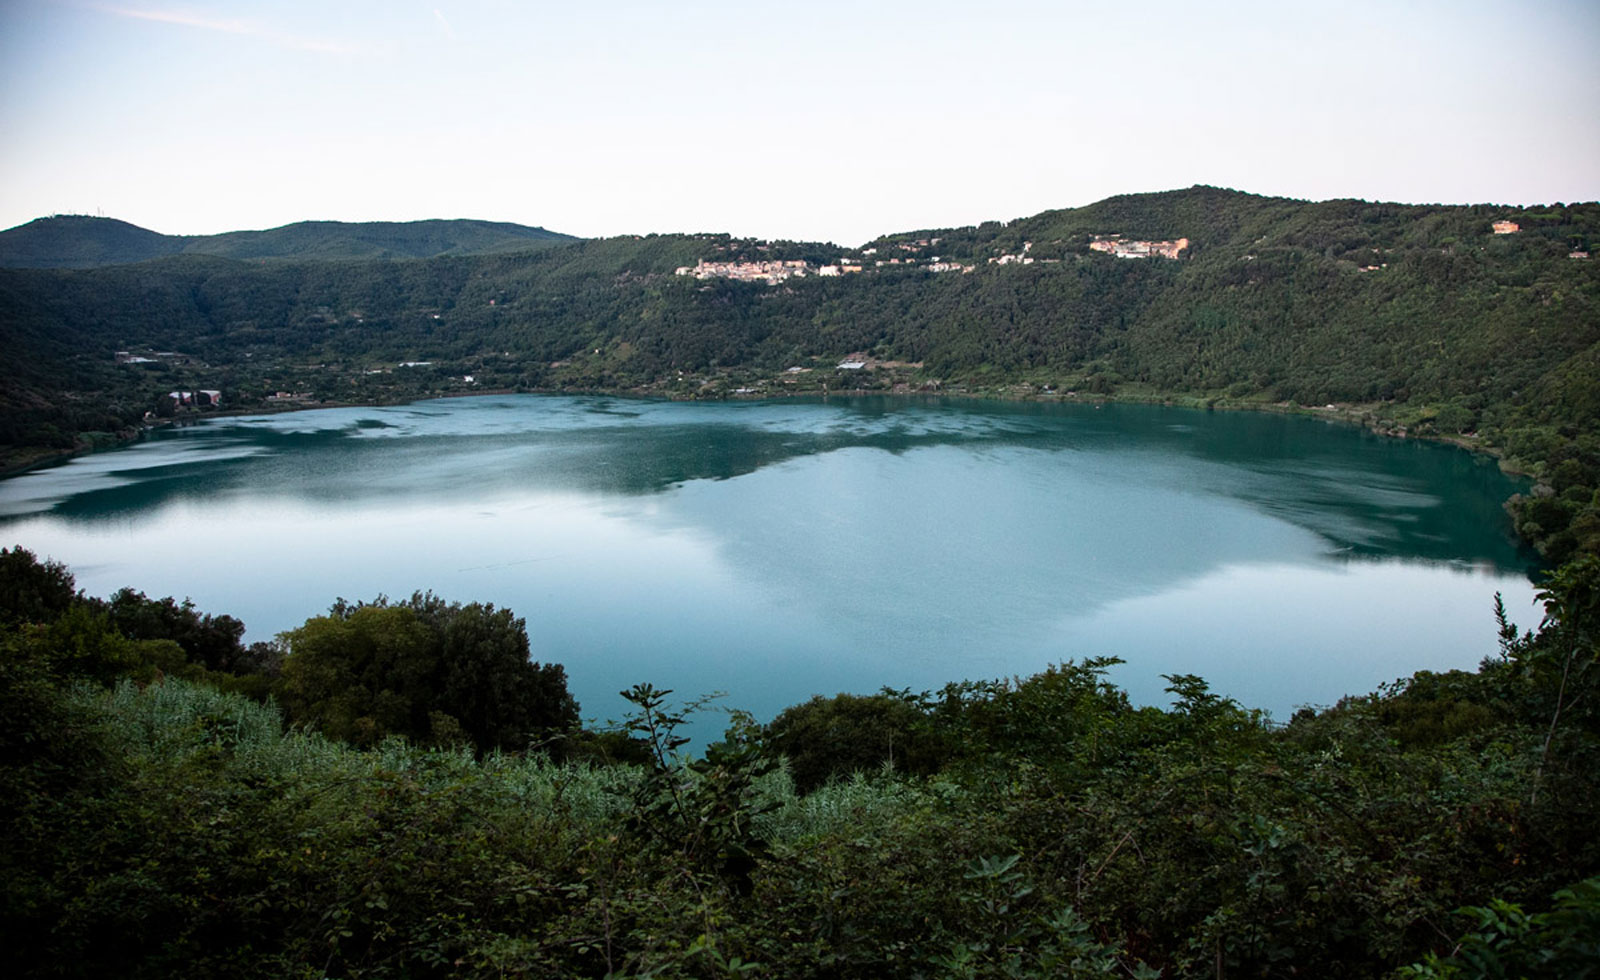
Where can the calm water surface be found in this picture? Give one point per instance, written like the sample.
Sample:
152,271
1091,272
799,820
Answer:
774,550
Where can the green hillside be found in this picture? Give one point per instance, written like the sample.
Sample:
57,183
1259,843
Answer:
1413,319
80,241
84,242
375,240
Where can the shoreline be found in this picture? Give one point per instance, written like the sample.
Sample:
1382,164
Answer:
1354,415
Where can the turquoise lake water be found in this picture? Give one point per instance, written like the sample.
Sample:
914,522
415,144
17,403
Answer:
775,550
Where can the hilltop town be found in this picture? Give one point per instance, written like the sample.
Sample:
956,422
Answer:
773,271
777,270
1139,249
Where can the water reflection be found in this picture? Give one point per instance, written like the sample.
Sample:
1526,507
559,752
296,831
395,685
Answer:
784,548
1362,493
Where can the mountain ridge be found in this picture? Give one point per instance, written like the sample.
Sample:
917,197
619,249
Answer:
1206,214
89,242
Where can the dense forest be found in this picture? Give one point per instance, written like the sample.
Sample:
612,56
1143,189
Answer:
394,789
1417,320
403,787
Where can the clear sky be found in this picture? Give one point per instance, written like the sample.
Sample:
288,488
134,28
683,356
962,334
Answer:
826,120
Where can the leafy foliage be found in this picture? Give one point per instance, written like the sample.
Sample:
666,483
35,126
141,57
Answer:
834,738
212,642
1509,942
434,672
1051,829
32,591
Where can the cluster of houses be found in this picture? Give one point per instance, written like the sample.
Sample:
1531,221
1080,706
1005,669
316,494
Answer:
1112,244
1122,249
935,264
778,271
1021,258
203,398
769,272
775,271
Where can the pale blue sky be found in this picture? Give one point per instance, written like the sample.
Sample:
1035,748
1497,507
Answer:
821,120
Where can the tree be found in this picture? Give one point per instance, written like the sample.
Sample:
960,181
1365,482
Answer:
429,670
827,738
213,642
487,683
1558,663
359,674
33,591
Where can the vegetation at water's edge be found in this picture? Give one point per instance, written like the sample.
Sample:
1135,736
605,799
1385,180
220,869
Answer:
1413,319
395,790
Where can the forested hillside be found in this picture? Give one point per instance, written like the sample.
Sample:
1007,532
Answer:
77,241
1414,319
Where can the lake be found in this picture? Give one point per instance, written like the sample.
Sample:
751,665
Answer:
775,550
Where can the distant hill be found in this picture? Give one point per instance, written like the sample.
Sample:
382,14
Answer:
1215,219
79,241
376,240
86,242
